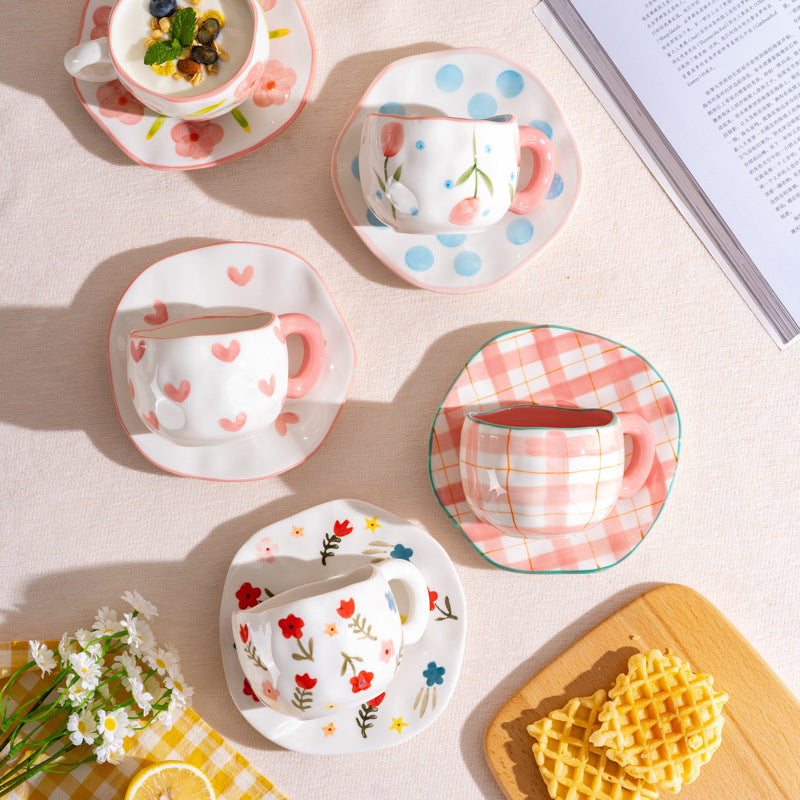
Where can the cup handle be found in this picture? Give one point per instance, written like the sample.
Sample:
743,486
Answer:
644,451
397,569
309,331
91,61
527,199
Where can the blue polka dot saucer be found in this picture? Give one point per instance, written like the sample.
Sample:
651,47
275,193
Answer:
468,83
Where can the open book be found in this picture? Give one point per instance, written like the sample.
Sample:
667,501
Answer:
708,92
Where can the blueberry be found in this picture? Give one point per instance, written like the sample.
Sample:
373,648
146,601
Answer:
163,8
208,31
204,55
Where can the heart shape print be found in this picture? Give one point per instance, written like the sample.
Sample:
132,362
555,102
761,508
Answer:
265,388
160,315
137,351
233,425
151,419
179,393
287,418
131,389
243,277
228,353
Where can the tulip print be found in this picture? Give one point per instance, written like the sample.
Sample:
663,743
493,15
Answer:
466,211
392,137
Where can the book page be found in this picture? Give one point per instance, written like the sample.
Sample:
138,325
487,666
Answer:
721,79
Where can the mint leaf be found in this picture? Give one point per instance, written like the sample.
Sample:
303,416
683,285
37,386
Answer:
161,52
182,26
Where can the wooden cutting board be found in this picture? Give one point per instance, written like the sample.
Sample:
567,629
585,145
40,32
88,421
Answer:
759,758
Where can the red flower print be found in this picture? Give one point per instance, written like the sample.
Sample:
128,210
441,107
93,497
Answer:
362,681
275,86
387,651
267,5
376,701
115,101
305,681
246,87
196,139
432,598
248,690
266,550
342,528
100,19
248,595
244,633
391,139
291,626
346,608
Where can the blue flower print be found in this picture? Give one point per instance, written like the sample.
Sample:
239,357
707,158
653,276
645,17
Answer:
433,674
390,601
402,552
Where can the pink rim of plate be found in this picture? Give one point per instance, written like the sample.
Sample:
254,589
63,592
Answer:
386,259
255,9
202,477
603,370
232,156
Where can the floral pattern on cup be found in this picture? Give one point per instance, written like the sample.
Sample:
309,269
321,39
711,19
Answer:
196,140
246,87
116,102
100,20
274,86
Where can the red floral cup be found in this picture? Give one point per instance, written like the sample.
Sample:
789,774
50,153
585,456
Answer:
446,175
332,644
120,56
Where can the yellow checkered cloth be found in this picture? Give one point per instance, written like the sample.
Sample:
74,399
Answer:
190,739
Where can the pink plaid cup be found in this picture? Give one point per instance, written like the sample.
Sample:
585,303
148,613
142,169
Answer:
545,471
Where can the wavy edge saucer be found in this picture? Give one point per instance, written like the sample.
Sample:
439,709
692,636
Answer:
612,540
287,553
517,262
254,118
333,326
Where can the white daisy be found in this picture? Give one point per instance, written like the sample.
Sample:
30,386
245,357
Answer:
149,643
128,663
83,727
87,669
181,693
142,697
106,622
114,726
42,657
134,640
164,660
140,604
75,694
67,646
109,752
84,637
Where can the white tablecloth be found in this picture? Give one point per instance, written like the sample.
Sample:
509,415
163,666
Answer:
84,516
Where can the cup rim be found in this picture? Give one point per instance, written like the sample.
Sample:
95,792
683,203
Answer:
497,119
147,333
188,98
474,416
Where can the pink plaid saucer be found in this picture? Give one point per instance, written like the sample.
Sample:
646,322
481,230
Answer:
550,365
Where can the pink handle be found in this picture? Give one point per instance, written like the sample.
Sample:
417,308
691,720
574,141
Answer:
527,199
643,455
313,352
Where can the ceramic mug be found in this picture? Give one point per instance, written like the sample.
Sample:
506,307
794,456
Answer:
216,379
445,175
331,644
244,37
535,471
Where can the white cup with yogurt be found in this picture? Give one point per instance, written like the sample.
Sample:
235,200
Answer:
241,46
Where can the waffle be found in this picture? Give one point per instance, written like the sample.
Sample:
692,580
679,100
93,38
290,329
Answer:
571,767
661,722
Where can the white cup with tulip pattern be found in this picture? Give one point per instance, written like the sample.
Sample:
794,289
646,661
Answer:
333,644
445,175
216,379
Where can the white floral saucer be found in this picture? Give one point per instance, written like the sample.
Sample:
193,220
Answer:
551,365
304,548
235,278
167,143
470,83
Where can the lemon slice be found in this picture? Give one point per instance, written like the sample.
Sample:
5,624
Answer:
170,780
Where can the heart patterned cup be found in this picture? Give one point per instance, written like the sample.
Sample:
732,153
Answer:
331,644
547,471
215,379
